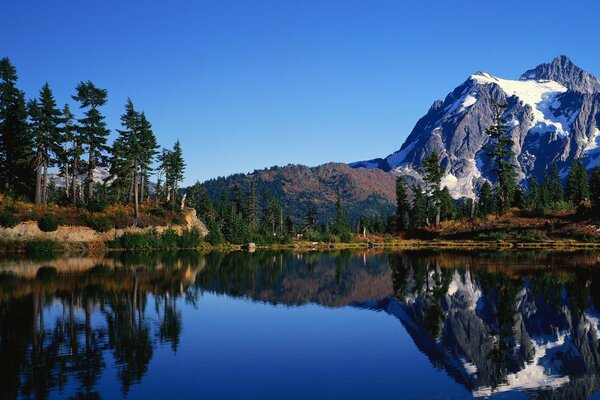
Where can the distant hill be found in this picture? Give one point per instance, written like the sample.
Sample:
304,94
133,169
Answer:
363,191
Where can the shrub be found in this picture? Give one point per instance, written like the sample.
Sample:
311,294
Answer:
346,236
8,220
138,241
159,212
96,205
215,236
169,239
42,247
48,223
190,238
101,223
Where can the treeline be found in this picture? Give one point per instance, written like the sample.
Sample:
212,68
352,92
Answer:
37,137
431,203
243,215
247,216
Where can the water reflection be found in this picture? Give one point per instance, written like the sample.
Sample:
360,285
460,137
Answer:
497,323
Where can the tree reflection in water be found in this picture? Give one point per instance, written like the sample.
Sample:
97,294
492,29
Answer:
517,321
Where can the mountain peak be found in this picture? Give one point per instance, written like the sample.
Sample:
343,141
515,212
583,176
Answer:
563,71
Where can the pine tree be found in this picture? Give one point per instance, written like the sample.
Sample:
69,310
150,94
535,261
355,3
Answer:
578,188
34,126
177,168
237,202
271,211
555,186
15,143
500,150
251,208
402,205
126,154
67,130
47,141
419,208
448,207
595,191
537,196
164,159
148,151
310,219
92,128
433,177
172,165
340,224
487,203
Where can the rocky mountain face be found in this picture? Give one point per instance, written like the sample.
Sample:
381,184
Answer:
553,115
298,187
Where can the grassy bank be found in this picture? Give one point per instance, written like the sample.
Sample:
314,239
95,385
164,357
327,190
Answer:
168,240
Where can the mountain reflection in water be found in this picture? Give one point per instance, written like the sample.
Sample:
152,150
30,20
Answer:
514,323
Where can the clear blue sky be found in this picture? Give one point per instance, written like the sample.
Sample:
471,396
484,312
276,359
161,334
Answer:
249,84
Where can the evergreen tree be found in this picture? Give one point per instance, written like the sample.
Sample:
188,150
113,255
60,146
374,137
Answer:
177,165
47,141
15,143
500,150
555,186
419,208
340,224
198,199
172,165
310,219
595,191
148,151
448,207
578,188
487,203
537,196
402,205
237,201
433,177
251,208
67,130
92,128
127,153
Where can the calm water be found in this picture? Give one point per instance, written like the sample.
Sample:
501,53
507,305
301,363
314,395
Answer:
352,325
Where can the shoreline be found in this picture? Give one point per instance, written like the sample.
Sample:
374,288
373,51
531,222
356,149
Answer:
24,246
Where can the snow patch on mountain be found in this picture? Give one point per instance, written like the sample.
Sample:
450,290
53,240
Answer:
593,142
399,156
462,103
539,95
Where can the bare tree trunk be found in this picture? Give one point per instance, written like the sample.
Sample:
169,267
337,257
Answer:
157,193
280,222
183,201
136,204
75,173
38,177
45,184
90,175
66,171
175,192
142,183
130,190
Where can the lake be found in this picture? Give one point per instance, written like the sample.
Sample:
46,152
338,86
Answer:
282,325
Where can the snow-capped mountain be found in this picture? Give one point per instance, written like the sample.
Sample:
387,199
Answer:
553,113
